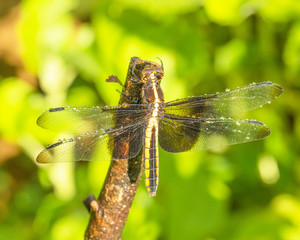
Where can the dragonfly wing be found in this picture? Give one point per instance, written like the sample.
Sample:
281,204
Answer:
185,134
226,104
99,145
80,120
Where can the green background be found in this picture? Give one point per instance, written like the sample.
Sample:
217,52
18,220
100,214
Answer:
55,53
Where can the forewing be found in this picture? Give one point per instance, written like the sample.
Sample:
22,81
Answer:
98,145
184,134
226,104
80,120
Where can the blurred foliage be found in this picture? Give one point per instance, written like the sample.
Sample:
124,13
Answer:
55,53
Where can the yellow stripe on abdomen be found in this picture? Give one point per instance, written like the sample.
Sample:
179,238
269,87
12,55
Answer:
151,157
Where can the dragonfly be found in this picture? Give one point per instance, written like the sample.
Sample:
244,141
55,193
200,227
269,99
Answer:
182,125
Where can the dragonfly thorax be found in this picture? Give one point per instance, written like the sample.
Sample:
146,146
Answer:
152,94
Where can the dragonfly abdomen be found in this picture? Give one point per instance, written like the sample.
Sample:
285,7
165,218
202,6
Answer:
151,157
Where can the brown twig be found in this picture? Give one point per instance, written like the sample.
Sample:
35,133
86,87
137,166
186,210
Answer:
109,212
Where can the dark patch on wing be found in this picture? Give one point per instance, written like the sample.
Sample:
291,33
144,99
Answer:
54,145
56,109
134,167
177,137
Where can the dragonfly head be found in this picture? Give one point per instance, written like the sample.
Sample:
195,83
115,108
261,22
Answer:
147,72
152,74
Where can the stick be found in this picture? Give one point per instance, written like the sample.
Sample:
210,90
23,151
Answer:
109,212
